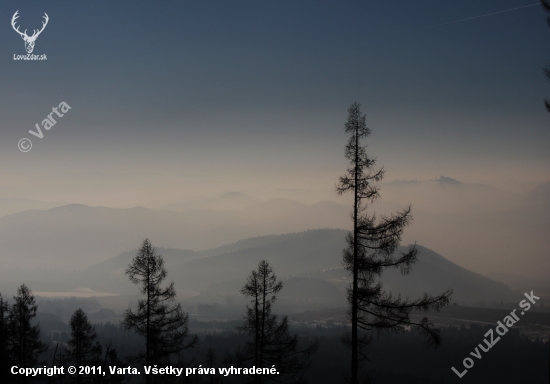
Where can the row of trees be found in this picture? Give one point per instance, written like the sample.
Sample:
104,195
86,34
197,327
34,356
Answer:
21,345
20,342
164,326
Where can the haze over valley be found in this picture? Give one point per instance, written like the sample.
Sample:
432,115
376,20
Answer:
473,225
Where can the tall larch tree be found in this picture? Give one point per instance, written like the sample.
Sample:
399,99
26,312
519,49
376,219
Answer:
372,247
160,321
272,343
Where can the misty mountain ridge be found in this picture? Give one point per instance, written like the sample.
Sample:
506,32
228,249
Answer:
11,205
173,256
229,201
541,196
445,212
446,194
76,236
484,228
309,262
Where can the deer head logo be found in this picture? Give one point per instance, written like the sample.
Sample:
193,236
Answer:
29,40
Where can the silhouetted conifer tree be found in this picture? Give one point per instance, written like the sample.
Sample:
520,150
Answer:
5,358
272,344
24,339
162,323
110,359
371,248
211,362
83,350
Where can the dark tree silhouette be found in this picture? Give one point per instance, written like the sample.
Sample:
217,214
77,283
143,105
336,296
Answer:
546,5
371,248
272,344
109,359
82,349
211,362
25,344
5,358
162,323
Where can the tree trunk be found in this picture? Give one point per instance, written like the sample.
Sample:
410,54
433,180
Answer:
148,336
354,331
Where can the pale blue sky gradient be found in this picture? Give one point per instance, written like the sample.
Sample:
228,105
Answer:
212,96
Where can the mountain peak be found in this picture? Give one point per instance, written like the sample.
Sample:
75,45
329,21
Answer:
448,180
70,207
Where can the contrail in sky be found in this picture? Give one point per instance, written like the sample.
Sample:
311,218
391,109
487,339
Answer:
477,17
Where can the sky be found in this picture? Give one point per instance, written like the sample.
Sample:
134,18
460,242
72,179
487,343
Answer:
177,100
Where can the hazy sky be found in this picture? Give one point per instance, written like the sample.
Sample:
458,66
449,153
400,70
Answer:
178,99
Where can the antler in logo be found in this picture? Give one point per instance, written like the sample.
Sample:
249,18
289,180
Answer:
29,40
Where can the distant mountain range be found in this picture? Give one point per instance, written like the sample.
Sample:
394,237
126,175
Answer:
481,227
487,229
231,201
447,195
10,206
77,236
309,263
